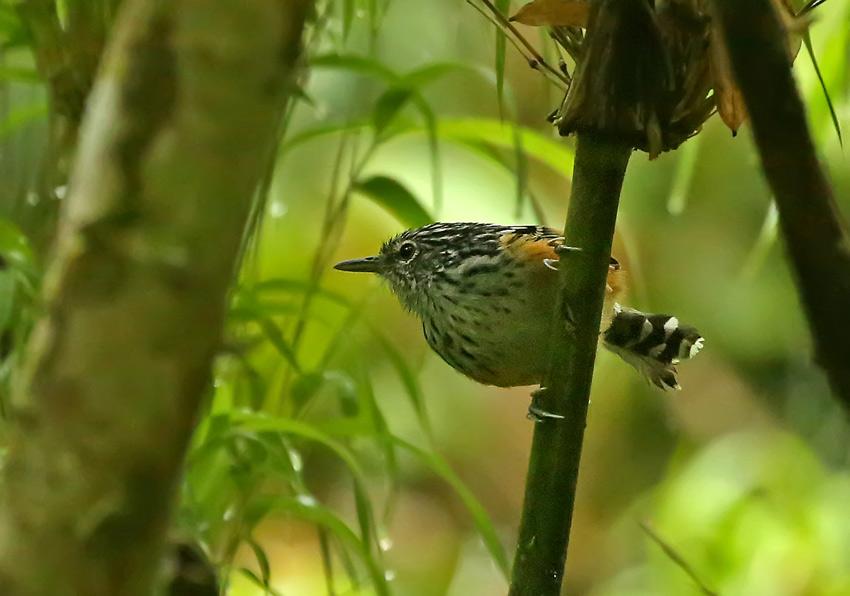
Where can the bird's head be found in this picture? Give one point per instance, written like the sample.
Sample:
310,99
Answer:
418,263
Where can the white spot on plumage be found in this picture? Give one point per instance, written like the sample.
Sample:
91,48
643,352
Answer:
645,330
695,349
671,325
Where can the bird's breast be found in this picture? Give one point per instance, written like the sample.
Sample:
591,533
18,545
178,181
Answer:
492,327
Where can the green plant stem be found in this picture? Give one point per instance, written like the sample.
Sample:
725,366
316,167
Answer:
815,235
600,166
178,135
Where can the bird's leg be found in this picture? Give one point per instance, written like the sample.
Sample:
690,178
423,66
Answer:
536,413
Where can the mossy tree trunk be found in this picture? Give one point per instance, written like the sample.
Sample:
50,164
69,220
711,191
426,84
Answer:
179,127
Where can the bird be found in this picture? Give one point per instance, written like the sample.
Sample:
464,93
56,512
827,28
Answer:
486,296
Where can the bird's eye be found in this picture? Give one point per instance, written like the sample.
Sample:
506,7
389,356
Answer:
407,251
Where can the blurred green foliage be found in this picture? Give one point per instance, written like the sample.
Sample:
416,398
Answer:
339,455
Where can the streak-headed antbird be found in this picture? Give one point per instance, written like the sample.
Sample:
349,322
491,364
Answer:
486,295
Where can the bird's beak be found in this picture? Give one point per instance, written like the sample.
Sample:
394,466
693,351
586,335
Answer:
368,265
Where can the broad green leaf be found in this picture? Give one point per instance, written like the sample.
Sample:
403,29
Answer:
396,199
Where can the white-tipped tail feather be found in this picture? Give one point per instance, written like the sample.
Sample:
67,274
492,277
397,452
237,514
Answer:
652,343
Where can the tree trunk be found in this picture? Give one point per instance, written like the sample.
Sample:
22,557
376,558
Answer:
178,130
815,234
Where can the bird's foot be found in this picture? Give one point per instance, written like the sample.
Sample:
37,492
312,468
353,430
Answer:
563,249
536,413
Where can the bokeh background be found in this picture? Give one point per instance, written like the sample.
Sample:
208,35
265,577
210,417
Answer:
339,455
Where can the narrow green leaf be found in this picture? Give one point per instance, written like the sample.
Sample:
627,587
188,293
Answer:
262,560
8,284
521,161
807,39
305,388
497,134
388,106
252,577
380,426
275,336
279,284
260,423
426,75
766,240
318,132
357,63
502,6
431,128
685,170
20,75
311,510
396,199
408,379
480,517
15,250
20,117
347,17
327,559
678,560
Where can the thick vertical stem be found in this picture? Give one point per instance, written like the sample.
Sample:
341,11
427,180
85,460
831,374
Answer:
814,233
600,167
177,133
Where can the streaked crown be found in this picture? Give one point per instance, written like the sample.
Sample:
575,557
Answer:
419,261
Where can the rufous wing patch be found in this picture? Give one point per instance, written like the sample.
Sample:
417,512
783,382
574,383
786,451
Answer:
528,247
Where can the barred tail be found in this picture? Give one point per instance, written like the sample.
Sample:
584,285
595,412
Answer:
653,344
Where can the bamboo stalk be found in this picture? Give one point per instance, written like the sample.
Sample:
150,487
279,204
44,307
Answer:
600,166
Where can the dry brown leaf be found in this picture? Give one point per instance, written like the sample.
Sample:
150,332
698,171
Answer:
554,13
727,96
